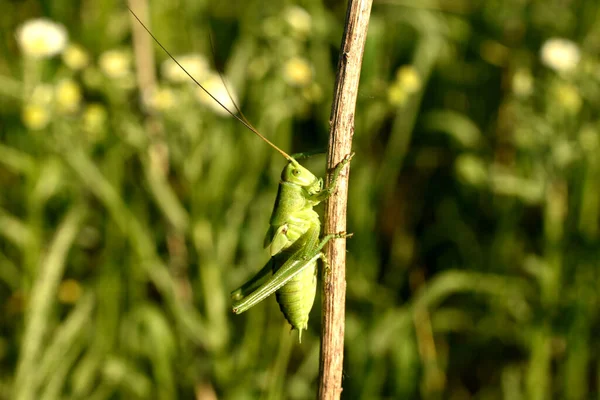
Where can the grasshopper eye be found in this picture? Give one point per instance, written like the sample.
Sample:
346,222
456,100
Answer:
296,172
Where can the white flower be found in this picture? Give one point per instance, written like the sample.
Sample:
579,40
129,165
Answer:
563,153
35,116
409,79
297,71
396,94
42,38
42,95
95,117
298,19
161,99
69,291
215,87
561,55
68,96
195,64
115,63
75,57
522,82
568,97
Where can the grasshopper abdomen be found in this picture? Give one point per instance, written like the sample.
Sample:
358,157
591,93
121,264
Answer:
297,296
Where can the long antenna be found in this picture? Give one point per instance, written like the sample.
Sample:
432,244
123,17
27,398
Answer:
243,121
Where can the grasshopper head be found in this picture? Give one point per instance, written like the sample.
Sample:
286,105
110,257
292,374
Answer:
297,174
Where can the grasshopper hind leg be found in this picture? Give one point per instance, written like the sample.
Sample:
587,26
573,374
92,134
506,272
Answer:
290,275
257,281
297,296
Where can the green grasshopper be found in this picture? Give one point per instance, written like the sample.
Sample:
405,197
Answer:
293,234
294,246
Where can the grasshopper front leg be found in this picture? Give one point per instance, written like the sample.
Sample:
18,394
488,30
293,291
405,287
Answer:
327,191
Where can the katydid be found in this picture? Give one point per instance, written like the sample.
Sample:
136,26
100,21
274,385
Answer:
293,238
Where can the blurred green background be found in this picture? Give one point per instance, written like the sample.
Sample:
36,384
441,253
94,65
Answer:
131,206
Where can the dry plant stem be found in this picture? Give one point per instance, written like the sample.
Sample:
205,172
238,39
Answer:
158,157
143,48
340,145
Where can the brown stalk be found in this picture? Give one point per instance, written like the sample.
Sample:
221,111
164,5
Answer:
340,145
142,47
158,155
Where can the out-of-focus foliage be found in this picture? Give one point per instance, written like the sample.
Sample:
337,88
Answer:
132,207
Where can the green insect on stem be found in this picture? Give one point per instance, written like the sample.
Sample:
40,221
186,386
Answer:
293,242
293,235
261,285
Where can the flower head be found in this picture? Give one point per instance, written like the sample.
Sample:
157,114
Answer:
563,153
408,81
35,116
69,291
37,111
568,97
43,95
195,64
115,63
41,38
298,19
396,95
298,72
75,57
561,55
522,82
161,99
215,86
95,118
408,78
68,96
